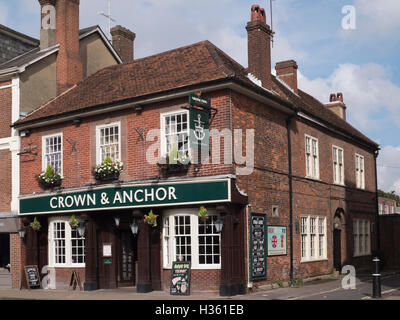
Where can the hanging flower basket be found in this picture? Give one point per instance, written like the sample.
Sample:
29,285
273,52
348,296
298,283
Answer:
73,222
203,214
108,170
49,178
35,225
151,219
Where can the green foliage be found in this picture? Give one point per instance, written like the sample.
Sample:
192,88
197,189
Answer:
73,222
203,213
173,154
280,283
151,218
298,282
35,225
49,178
390,195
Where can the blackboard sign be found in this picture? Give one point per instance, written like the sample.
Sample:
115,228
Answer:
180,278
258,246
32,277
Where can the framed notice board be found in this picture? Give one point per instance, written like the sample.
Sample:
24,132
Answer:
258,256
277,240
180,278
32,277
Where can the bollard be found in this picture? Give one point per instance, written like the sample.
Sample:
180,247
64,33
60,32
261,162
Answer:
376,279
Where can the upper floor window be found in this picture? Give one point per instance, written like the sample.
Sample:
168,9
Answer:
360,174
380,208
312,159
108,139
67,248
338,165
52,152
175,132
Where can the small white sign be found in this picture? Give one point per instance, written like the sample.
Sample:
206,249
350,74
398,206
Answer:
107,252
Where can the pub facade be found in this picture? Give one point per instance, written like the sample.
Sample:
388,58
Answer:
234,170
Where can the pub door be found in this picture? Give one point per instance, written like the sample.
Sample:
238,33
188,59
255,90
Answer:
127,259
337,249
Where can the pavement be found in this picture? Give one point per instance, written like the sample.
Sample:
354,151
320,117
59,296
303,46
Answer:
326,289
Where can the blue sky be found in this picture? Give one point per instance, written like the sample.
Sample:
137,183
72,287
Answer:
362,63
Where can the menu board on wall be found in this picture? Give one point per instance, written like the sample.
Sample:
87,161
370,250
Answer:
258,257
276,240
180,278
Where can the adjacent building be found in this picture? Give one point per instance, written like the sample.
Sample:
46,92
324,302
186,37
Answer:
33,72
291,183
387,206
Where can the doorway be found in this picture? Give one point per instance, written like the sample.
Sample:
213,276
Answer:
5,275
127,259
337,249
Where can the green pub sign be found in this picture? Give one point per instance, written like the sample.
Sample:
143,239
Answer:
134,196
199,129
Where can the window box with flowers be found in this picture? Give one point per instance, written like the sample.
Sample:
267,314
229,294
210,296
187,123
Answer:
49,179
203,214
73,222
174,162
108,170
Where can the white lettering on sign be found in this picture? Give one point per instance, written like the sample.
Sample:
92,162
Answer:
120,198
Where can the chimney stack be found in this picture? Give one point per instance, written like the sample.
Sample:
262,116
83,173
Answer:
69,64
47,23
337,105
287,72
259,46
122,40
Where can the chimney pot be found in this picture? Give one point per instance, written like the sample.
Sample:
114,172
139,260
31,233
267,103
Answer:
332,97
340,97
336,105
259,46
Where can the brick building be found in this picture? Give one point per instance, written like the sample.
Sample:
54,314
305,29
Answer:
302,204
387,206
32,72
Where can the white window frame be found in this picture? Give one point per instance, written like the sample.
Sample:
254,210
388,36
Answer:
103,126
68,245
307,232
44,162
380,208
360,171
311,165
361,235
163,133
169,252
338,165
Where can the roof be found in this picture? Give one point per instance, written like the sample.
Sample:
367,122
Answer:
183,67
19,36
36,54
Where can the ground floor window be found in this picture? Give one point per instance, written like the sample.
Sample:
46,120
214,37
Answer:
362,237
187,238
313,238
66,247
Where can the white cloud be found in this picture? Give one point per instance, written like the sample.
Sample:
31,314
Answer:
389,169
379,16
370,95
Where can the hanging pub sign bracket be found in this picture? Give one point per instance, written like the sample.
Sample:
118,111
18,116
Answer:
202,104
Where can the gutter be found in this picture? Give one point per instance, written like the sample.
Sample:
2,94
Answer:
378,232
288,124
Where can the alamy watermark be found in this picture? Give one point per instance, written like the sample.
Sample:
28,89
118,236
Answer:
349,280
49,17
349,21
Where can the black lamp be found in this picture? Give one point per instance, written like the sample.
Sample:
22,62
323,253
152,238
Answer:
117,221
22,233
219,224
134,227
81,229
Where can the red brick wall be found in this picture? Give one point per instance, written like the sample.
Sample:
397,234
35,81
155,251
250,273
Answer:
5,110
387,202
78,164
17,256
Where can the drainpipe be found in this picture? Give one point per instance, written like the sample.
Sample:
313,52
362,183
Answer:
288,123
378,237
